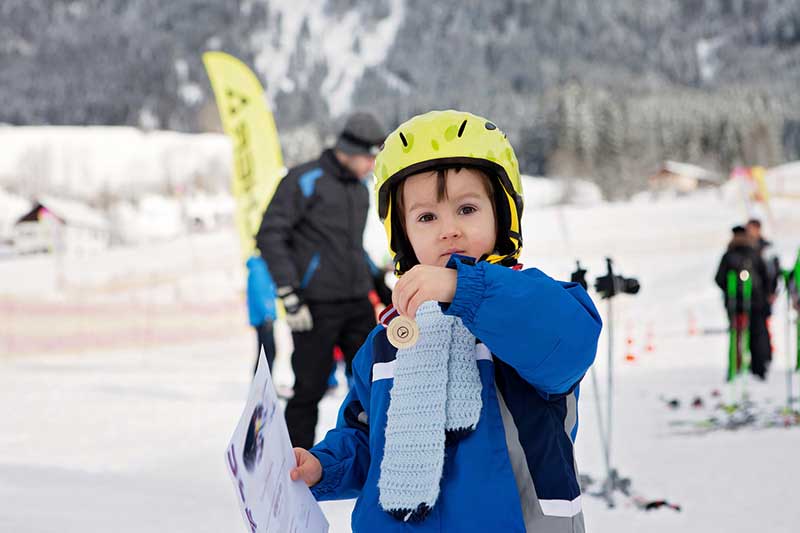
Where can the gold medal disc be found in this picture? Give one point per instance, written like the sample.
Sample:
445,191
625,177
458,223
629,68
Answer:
402,332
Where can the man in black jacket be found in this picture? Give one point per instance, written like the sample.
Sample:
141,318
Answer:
753,228
743,255
312,239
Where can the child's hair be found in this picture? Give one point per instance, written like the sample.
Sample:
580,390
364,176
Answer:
441,190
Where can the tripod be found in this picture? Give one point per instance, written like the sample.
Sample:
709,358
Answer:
610,285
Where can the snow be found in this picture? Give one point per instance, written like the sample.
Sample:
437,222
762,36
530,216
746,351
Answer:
155,217
784,179
346,44
707,56
540,191
124,372
81,162
690,171
12,207
74,213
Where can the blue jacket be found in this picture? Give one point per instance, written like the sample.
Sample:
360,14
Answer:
516,471
260,292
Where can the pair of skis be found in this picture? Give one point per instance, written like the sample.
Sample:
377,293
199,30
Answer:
791,283
739,285
730,416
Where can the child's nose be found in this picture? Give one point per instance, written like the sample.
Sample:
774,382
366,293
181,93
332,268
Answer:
450,230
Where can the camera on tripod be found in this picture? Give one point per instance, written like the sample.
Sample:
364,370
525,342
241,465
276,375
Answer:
608,285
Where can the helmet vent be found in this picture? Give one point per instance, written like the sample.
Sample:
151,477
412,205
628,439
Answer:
461,129
403,138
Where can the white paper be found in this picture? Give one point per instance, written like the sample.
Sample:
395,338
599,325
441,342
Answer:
259,458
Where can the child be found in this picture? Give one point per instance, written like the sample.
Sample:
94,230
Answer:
261,308
472,427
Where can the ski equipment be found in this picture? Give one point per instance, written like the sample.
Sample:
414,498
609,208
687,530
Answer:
739,288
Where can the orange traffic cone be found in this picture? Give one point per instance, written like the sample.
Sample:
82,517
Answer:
649,346
629,355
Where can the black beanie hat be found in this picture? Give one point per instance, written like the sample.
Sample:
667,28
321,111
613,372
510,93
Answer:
362,134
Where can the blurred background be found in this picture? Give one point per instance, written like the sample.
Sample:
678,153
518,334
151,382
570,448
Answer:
645,130
604,90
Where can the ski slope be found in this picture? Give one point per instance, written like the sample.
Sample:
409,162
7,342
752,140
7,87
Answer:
129,434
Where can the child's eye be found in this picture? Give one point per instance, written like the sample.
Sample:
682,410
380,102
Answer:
467,209
426,217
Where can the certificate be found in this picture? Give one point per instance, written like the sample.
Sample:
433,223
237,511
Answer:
259,458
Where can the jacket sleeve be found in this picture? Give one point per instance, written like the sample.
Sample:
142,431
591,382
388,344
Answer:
260,295
770,282
344,452
274,235
545,329
722,273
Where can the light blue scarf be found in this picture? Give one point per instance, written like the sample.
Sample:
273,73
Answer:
436,393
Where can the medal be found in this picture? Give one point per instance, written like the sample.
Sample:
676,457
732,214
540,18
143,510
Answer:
402,332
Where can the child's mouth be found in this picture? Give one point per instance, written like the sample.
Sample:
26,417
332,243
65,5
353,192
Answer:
452,251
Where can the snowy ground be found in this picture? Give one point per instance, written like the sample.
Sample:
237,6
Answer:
127,433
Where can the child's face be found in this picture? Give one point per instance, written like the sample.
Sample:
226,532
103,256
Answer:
463,222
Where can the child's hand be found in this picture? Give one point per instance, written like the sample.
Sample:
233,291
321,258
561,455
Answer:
308,467
423,283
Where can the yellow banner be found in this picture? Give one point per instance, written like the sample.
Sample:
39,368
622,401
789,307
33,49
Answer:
257,159
762,193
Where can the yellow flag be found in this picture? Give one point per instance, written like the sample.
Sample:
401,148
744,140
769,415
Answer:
759,176
247,120
762,192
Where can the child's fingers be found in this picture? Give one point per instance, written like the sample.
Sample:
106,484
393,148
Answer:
299,472
300,458
299,455
413,304
400,295
396,299
308,468
406,296
294,473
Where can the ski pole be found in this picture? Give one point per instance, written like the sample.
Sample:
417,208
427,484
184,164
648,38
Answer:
788,334
797,315
747,290
733,348
748,294
599,410
609,403
605,430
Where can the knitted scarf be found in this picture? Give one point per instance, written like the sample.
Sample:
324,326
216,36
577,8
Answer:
436,395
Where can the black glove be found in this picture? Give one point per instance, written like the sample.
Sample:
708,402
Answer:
298,315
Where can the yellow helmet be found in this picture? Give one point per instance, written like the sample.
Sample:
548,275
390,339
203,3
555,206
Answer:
441,139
